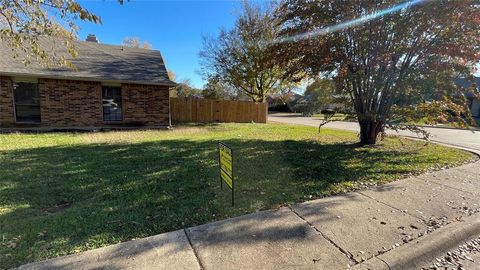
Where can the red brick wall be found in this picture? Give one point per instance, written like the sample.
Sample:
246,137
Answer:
67,103
7,111
147,104
70,103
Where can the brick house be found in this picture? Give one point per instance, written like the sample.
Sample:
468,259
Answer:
111,86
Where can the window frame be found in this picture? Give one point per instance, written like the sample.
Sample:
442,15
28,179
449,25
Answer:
120,96
15,103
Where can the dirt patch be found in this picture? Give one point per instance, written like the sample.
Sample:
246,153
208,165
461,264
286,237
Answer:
58,207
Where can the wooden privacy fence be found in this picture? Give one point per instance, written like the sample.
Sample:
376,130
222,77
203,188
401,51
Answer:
225,111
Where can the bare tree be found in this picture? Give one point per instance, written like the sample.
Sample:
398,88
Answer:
172,75
134,42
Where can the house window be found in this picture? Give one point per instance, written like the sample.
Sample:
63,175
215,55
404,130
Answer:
27,102
112,103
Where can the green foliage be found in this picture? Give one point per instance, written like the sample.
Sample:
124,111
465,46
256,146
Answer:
217,90
185,90
320,95
432,99
322,91
62,193
214,91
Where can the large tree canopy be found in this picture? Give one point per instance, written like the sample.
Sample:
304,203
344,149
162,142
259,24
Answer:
218,90
24,22
379,50
242,56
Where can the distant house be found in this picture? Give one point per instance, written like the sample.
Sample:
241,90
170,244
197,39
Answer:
112,86
472,95
282,103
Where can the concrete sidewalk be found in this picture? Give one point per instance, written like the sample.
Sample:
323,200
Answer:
331,233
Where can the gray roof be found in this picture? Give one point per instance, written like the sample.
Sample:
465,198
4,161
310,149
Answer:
95,62
467,83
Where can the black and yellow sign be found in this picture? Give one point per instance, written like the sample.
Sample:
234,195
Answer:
225,160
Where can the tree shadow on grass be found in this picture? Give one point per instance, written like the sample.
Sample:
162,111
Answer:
117,192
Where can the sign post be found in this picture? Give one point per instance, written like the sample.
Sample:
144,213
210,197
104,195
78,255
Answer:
225,160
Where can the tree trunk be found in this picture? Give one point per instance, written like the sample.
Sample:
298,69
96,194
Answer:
369,131
259,99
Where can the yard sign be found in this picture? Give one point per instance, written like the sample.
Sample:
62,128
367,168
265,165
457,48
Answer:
225,159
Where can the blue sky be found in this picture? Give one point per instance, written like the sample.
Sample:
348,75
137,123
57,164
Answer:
173,27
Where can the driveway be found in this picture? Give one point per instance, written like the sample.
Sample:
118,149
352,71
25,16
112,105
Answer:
459,137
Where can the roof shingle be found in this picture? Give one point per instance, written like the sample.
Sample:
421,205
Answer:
95,62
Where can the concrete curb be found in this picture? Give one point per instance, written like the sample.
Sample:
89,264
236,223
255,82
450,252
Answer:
422,251
452,128
422,126
166,251
446,127
471,150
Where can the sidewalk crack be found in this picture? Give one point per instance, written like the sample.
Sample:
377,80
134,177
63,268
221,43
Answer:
449,187
393,207
194,250
345,252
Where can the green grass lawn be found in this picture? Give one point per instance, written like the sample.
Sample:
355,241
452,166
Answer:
62,193
336,117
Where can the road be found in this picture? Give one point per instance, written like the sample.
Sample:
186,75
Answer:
458,137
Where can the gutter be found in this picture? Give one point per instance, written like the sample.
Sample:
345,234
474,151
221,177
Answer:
454,128
168,83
